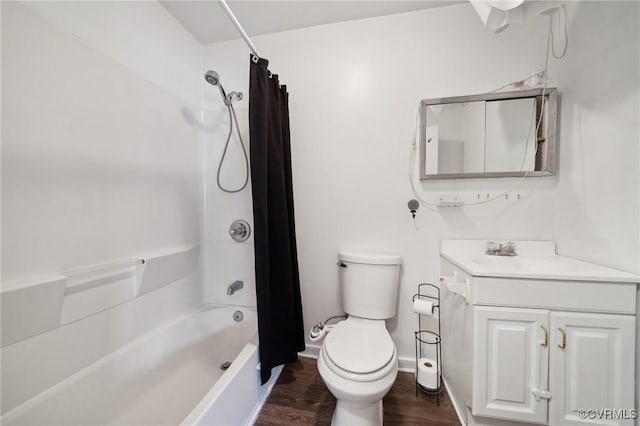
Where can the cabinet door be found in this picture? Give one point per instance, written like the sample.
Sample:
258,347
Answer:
510,361
593,367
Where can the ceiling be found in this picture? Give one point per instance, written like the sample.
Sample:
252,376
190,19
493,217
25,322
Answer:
208,23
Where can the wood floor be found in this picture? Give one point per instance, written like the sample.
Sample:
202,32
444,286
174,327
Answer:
301,398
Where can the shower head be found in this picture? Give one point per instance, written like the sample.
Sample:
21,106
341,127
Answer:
212,77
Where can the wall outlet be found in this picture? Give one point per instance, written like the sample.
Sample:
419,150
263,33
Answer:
537,80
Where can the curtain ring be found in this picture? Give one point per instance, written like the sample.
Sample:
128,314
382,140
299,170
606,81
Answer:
255,59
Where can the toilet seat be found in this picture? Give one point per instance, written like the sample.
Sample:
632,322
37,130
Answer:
359,349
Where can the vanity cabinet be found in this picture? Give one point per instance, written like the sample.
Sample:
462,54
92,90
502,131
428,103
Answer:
510,360
536,338
592,367
530,365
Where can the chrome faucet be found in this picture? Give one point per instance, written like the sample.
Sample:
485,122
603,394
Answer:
495,249
237,285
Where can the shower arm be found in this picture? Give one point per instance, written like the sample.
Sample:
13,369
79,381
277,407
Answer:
241,30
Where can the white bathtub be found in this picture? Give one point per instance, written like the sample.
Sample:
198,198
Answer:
170,376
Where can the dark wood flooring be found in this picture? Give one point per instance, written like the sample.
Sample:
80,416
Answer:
301,398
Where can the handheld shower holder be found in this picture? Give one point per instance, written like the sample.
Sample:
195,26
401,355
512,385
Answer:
233,95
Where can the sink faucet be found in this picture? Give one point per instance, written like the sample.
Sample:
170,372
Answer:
495,249
237,285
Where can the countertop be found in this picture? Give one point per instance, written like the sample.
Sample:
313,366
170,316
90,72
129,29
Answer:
535,260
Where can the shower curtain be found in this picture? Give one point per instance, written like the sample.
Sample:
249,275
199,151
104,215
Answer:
280,325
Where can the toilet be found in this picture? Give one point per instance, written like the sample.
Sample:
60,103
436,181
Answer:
358,360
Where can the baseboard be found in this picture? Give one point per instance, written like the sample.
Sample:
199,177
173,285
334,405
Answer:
408,365
460,411
275,373
311,351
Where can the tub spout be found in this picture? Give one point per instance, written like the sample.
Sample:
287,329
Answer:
237,285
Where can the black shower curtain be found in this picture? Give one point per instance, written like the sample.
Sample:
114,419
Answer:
280,325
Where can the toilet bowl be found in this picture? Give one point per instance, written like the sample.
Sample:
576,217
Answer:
358,360
359,364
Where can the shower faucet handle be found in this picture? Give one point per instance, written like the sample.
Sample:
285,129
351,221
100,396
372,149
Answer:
240,230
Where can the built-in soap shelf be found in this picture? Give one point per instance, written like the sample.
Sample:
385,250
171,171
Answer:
38,304
95,288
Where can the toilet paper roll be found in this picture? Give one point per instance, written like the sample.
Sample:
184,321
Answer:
427,373
423,307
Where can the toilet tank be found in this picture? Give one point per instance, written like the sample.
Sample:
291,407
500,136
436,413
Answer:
369,283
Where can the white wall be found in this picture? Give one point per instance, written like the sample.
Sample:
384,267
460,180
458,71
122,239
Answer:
599,174
598,193
101,160
354,92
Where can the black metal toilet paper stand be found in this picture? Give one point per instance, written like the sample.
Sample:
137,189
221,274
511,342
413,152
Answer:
424,337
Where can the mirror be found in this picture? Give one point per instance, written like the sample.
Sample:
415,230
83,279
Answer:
491,135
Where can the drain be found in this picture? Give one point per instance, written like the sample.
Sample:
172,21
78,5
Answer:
238,316
225,365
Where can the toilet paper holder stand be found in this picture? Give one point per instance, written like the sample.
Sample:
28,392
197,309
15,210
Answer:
428,341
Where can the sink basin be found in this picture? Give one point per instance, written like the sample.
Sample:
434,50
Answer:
510,262
526,263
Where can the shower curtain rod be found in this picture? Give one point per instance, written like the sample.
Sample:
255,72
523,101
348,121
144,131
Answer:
241,30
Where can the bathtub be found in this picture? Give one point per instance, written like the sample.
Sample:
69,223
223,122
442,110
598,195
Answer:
170,376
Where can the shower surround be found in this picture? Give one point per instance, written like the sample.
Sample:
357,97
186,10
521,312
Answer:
104,165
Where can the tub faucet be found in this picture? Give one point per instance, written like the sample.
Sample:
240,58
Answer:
237,285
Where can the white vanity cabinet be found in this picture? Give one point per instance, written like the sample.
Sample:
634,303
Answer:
510,361
535,347
591,364
530,361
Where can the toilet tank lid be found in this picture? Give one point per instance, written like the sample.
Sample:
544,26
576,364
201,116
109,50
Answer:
370,258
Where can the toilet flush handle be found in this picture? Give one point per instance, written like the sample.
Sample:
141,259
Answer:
341,264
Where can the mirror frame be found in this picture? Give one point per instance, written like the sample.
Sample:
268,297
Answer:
550,124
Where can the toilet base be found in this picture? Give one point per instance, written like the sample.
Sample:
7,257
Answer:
349,414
